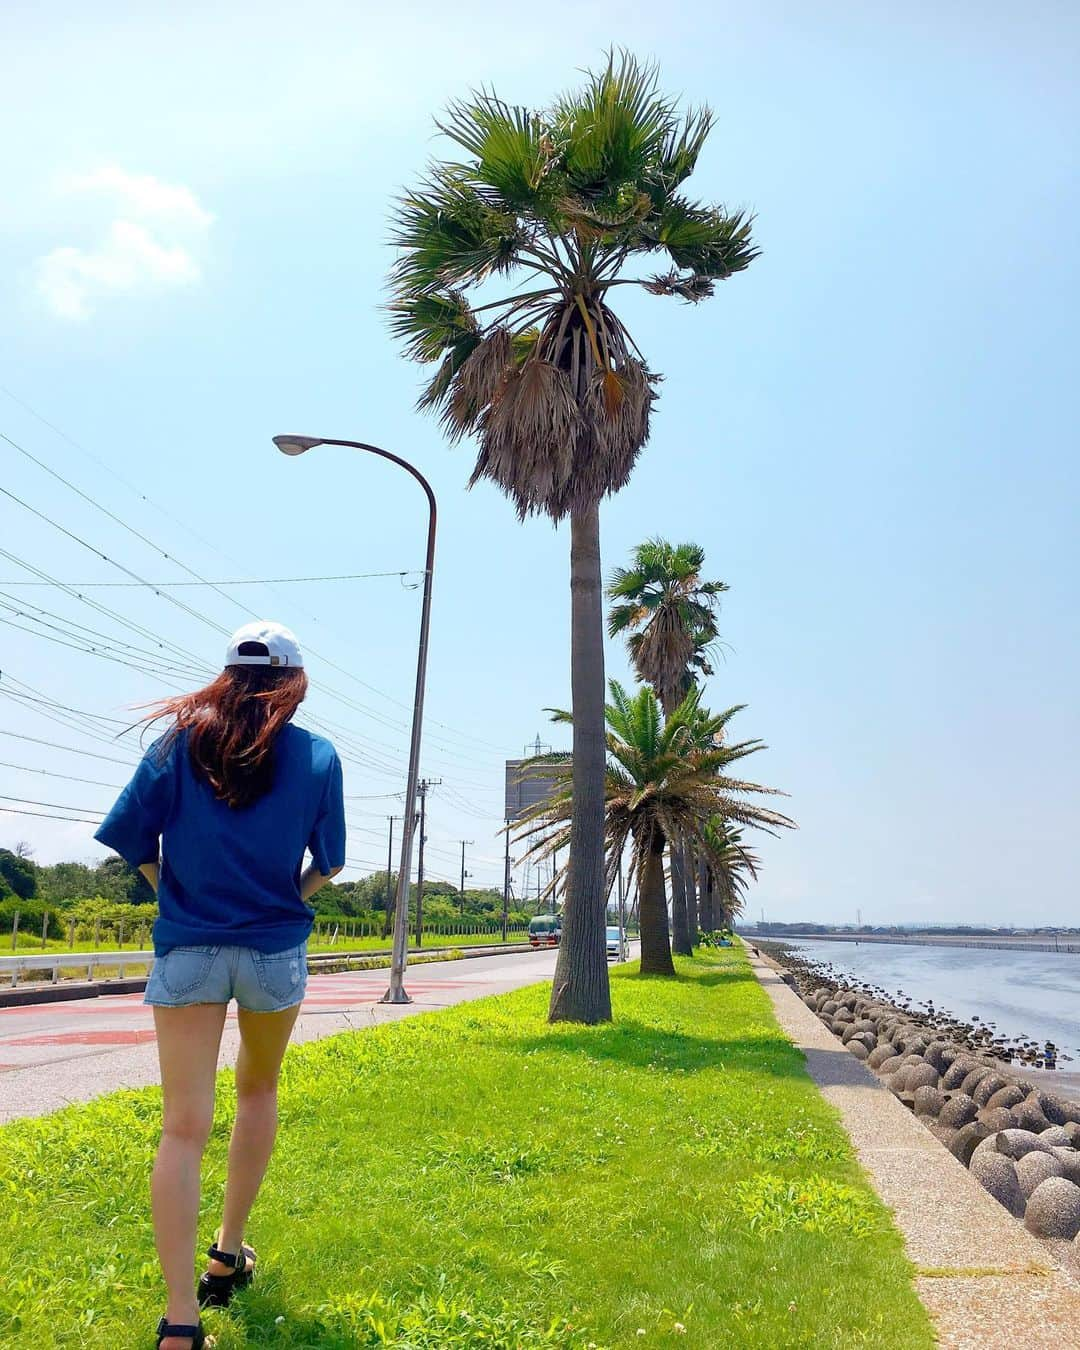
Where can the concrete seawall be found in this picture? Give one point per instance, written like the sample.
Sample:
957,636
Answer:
1010,944
987,1282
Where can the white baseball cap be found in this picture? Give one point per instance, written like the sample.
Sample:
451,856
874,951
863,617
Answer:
263,643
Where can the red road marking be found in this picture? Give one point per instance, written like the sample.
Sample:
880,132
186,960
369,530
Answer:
88,1038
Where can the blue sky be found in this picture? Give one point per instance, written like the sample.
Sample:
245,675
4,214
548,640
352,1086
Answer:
871,431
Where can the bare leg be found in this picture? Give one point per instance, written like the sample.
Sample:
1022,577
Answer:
263,1038
188,1040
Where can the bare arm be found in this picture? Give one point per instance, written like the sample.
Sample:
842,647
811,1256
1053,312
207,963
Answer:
151,871
312,880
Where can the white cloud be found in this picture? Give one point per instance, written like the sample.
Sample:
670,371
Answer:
142,195
129,259
132,256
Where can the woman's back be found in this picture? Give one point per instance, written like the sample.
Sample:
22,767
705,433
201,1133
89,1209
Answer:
235,793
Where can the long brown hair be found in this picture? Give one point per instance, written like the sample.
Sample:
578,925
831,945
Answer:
232,725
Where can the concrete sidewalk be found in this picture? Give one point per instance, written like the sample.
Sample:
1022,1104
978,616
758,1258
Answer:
54,1054
988,1284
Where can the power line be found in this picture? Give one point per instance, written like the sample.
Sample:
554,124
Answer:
176,561
94,604
185,663
69,534
88,651
56,806
65,625
53,745
49,773
49,815
240,581
51,702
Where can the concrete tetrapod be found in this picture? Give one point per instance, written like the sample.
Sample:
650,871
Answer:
1033,1169
998,1175
1053,1208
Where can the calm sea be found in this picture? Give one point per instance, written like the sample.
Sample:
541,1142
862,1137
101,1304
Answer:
1034,994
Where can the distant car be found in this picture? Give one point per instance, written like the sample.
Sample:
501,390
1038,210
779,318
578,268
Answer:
545,930
615,945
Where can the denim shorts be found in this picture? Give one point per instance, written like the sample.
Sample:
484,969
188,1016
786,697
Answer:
259,981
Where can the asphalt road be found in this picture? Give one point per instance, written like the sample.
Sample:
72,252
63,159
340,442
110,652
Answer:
52,1054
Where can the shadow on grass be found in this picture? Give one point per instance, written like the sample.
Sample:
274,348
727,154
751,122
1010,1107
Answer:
256,1318
639,1045
719,978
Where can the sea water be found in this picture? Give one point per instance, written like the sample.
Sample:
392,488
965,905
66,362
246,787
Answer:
1024,994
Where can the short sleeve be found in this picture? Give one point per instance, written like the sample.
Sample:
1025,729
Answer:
327,842
133,827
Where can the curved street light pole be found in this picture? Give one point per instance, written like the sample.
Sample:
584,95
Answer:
297,445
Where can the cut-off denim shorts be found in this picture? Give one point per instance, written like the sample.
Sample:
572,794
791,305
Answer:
259,981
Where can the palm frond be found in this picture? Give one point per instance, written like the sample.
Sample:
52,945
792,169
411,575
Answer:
449,236
512,147
613,129
553,204
430,323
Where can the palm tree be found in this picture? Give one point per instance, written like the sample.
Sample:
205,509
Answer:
669,616
665,781
557,206
727,868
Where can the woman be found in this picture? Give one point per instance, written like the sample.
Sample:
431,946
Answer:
217,818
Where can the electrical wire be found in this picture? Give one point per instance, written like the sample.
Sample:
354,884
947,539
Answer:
48,815
55,806
119,650
71,749
195,575
49,773
239,581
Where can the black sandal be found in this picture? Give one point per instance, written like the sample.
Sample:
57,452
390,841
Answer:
215,1291
196,1333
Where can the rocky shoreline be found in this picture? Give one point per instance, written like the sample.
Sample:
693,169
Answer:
1020,1142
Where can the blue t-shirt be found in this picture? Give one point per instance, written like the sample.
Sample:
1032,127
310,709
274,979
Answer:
231,877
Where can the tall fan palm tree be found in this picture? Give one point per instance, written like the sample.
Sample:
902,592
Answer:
665,781
728,867
557,206
668,614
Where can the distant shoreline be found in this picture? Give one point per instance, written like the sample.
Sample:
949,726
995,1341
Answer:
1015,943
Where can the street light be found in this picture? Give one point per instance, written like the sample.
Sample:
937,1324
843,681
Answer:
297,445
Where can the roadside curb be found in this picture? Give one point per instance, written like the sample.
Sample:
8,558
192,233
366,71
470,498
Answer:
65,991
987,1283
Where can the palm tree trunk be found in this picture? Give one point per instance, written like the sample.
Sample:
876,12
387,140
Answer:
580,991
655,944
679,921
705,914
690,872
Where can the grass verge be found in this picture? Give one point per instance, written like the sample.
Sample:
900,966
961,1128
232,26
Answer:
475,1177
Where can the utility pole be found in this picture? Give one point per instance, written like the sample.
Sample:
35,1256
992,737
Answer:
389,914
506,885
422,789
464,874
622,913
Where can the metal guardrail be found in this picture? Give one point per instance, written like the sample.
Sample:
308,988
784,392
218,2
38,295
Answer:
15,966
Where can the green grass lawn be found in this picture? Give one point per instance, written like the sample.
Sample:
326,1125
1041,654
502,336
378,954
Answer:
475,1177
